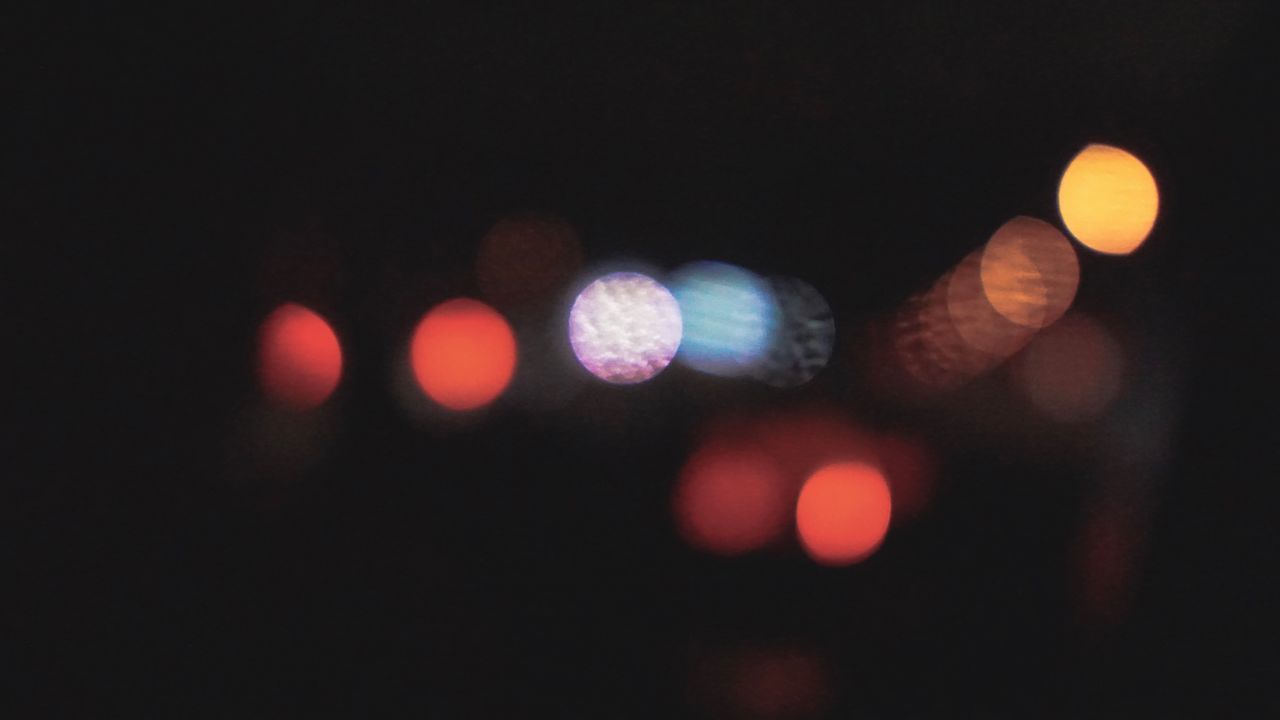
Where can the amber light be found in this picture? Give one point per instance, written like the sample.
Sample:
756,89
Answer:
1108,200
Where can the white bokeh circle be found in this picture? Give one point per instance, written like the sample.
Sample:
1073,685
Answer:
625,327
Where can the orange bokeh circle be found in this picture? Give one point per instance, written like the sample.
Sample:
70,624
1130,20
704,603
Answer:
843,513
463,354
1108,199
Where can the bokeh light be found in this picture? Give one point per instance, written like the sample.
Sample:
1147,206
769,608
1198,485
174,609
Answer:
299,358
1105,556
773,681
738,490
950,333
526,259
463,354
924,344
731,500
730,316
983,328
1108,200
843,513
803,439
625,327
801,345
911,470
1072,371
988,307
1029,272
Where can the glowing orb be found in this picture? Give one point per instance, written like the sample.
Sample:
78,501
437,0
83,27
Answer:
299,360
1108,200
765,682
463,354
843,513
990,336
804,338
803,439
1104,557
525,259
731,500
730,317
1072,371
625,327
1029,272
926,346
910,469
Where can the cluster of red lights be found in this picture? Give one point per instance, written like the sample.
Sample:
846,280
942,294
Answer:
752,481
463,354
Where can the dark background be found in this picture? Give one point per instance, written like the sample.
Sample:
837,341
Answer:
175,174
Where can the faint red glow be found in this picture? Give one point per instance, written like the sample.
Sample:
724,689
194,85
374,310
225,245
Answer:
843,513
463,354
526,259
1104,556
1072,371
780,683
775,682
803,440
731,500
299,359
911,470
